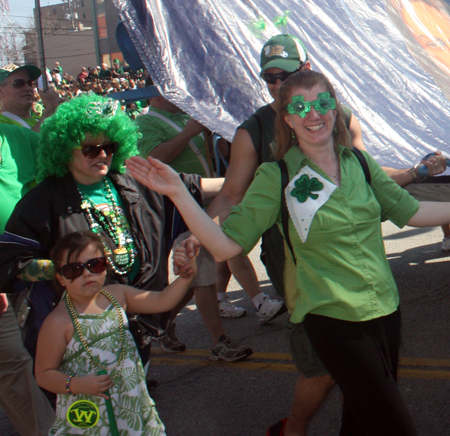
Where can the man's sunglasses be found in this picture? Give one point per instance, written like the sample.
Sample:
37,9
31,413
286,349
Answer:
20,83
73,270
92,151
271,79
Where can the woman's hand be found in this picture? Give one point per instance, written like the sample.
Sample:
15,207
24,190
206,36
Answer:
155,175
91,385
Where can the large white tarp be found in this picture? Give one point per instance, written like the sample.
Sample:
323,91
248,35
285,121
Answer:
388,59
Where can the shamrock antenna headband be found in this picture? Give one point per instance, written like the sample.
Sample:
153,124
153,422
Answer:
258,25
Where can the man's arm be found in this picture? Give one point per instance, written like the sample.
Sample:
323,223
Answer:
50,101
240,173
356,133
169,150
435,164
211,187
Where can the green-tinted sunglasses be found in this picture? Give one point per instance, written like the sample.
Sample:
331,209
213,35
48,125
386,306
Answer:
301,107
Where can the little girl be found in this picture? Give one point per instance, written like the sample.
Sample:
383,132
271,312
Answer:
87,334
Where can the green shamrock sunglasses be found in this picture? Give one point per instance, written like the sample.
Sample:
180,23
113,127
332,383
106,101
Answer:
301,107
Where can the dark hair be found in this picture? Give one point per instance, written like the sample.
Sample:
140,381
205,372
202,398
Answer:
306,79
74,244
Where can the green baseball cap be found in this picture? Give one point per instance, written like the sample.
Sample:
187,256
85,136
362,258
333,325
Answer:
32,70
116,61
283,51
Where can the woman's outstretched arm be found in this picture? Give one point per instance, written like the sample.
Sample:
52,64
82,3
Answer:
163,179
431,214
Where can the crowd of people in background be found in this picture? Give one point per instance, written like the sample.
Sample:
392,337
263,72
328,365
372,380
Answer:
99,80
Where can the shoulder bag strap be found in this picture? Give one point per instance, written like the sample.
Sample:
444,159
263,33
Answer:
364,164
260,130
284,210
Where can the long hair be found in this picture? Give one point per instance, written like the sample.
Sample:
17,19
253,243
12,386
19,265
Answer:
67,128
306,79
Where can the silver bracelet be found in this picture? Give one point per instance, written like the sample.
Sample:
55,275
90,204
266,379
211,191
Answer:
415,177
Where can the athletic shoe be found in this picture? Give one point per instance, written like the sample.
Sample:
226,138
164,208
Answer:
229,310
446,244
169,342
229,351
277,429
269,309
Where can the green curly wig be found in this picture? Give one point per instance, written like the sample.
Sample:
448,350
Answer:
66,129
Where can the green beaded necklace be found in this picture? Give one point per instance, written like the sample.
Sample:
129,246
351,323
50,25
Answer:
119,360
113,222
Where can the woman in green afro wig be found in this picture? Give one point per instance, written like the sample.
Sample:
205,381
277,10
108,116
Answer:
67,129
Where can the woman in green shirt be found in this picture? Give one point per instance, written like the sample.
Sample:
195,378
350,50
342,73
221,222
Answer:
338,280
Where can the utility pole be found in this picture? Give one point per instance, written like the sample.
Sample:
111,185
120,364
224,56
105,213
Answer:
40,40
94,20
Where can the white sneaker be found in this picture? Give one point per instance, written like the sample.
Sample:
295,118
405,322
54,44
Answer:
269,309
229,310
445,244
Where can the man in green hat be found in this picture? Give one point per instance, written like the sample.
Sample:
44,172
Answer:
17,96
116,70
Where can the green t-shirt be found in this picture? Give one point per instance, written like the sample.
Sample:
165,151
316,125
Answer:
18,157
97,194
32,121
155,131
341,270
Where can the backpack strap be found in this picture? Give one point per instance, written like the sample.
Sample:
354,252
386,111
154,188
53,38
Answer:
284,210
364,164
260,130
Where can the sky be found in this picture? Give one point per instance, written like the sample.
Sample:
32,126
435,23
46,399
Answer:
21,10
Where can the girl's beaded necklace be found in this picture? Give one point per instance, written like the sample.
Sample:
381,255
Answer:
119,360
113,222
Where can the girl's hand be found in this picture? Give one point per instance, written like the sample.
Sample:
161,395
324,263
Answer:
91,385
155,175
183,265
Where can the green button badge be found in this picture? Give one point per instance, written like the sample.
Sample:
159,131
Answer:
83,414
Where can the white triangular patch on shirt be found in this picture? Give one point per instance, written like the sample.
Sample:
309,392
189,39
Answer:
302,214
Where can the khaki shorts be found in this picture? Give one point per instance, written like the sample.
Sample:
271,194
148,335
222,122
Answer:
206,265
303,354
430,191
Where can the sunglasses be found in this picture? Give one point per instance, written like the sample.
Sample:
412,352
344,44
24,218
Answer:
271,79
20,83
73,270
92,151
301,107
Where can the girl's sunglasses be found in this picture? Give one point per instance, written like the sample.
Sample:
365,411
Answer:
20,83
92,151
73,270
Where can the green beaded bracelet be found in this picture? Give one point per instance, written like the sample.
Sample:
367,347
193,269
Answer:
68,383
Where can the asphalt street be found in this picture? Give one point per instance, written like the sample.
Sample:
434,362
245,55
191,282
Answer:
197,397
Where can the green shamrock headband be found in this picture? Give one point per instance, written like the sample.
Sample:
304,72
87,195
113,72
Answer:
301,107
